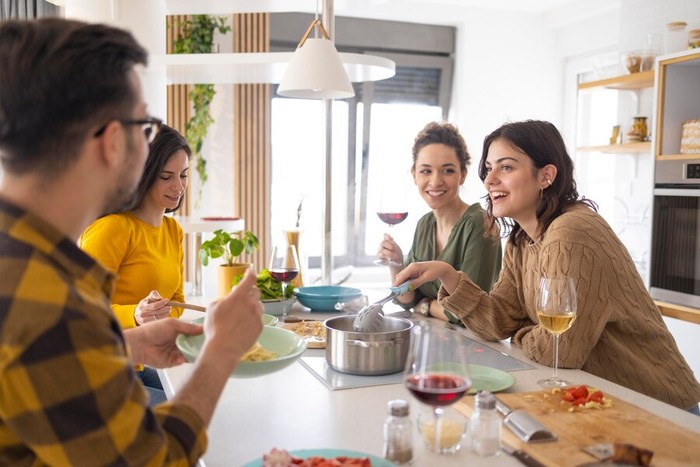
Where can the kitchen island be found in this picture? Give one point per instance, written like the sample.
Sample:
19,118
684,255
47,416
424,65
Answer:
293,409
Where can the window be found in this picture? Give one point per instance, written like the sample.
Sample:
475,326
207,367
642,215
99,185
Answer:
373,135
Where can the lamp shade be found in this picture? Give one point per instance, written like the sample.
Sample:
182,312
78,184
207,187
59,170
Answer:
316,72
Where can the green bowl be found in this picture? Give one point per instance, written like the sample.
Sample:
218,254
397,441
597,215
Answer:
288,345
269,320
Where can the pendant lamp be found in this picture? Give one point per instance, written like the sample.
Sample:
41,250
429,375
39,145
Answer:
316,70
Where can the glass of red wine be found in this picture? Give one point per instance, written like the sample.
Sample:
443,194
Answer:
393,209
284,267
437,373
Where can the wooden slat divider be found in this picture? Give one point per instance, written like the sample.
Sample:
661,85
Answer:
178,113
251,137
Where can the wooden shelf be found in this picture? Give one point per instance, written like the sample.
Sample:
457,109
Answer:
624,148
676,157
644,79
681,312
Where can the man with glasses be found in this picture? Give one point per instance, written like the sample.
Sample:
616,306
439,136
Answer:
74,137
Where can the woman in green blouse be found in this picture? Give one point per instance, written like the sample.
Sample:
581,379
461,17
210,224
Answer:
453,231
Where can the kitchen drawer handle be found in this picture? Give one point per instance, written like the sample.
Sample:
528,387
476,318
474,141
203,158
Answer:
378,344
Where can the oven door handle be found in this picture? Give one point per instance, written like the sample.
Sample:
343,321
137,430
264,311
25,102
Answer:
677,192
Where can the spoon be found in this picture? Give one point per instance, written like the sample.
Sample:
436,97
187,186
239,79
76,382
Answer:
371,317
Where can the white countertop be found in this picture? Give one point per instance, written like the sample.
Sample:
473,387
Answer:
292,409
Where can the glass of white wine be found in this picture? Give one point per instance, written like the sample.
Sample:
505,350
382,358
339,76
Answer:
556,310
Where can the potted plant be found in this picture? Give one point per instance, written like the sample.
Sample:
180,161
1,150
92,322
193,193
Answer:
196,36
229,246
271,293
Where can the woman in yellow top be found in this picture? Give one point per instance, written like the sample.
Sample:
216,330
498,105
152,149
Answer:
143,246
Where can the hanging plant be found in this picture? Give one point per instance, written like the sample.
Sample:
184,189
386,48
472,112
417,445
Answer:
197,36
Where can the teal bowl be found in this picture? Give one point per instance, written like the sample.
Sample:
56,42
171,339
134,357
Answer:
288,345
325,297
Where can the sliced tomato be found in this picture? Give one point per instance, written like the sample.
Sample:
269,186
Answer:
596,397
568,396
580,401
580,391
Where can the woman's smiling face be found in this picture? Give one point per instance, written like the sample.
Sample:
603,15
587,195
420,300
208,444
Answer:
437,175
513,184
171,183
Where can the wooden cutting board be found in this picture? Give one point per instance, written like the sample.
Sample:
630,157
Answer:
672,444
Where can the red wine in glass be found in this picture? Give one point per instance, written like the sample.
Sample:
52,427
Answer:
283,275
392,209
437,371
437,389
392,218
284,266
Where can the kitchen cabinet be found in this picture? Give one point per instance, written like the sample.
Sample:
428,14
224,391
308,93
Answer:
678,100
635,82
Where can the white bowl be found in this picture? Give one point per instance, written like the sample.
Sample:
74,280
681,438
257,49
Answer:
276,307
288,346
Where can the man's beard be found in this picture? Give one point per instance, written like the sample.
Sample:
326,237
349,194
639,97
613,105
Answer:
120,201
124,194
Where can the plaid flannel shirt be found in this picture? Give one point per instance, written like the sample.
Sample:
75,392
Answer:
68,393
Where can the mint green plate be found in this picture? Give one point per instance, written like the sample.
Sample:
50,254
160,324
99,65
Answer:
329,453
490,379
269,320
288,345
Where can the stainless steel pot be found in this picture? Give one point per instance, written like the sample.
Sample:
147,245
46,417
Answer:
367,353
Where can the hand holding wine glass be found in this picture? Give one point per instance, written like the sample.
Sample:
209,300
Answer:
284,267
437,372
556,311
393,209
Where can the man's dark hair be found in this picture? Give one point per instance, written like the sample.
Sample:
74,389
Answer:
59,80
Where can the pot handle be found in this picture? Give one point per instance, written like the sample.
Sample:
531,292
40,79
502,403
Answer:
365,344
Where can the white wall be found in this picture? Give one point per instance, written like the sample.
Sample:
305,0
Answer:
506,70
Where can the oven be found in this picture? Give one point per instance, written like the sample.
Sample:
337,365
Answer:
675,237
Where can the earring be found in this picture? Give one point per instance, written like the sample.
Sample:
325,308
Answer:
550,182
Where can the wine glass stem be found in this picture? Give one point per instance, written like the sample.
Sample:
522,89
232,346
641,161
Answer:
284,300
556,356
438,427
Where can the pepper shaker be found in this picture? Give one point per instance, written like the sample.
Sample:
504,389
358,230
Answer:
485,425
398,433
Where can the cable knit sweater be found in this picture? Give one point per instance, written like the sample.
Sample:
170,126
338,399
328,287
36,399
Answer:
618,334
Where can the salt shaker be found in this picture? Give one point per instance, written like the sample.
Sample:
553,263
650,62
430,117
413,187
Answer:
485,425
398,433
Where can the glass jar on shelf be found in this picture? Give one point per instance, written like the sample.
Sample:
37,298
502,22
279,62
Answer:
676,39
694,39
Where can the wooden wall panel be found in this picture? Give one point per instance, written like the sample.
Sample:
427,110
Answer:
178,113
251,117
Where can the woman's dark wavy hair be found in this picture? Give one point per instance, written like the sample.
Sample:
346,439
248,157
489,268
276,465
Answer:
167,142
542,142
442,133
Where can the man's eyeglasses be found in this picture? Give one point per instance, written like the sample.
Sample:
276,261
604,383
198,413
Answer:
150,126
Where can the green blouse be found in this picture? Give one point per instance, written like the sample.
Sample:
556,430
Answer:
467,250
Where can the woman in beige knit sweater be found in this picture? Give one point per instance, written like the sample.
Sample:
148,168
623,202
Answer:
618,334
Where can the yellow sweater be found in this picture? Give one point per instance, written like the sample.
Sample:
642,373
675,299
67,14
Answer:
618,334
144,258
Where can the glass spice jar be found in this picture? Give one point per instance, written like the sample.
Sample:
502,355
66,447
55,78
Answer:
676,39
398,433
639,126
694,38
